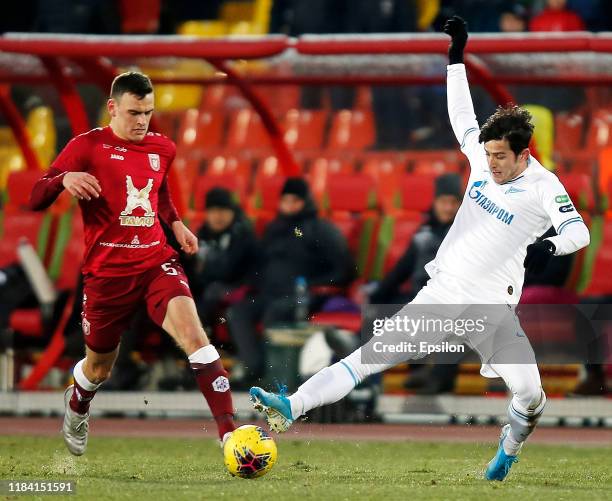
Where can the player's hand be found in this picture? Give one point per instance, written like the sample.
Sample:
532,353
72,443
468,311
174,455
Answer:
538,255
456,28
187,240
82,185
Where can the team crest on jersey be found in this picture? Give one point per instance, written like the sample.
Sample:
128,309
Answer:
154,161
137,198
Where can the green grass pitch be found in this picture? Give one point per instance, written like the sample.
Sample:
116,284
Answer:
160,469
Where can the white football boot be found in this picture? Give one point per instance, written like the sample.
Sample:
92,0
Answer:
76,426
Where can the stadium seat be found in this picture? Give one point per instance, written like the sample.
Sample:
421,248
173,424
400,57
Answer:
34,226
543,136
386,170
417,193
200,130
304,129
166,123
321,169
434,167
203,28
569,128
19,187
246,130
351,130
395,234
350,192
350,200
579,188
229,164
222,97
605,180
599,283
68,251
359,229
599,134
188,170
41,127
280,99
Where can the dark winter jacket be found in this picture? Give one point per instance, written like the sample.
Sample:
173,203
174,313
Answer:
302,245
229,256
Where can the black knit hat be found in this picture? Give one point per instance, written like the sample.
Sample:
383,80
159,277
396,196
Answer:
219,197
296,186
449,184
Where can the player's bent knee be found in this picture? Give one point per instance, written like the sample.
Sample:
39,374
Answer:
531,398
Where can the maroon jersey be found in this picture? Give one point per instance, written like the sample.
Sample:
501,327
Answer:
123,235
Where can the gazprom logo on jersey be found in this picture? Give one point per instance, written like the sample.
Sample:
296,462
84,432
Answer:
476,194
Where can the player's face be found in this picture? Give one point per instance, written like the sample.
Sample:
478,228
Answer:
290,205
130,116
503,163
445,208
219,218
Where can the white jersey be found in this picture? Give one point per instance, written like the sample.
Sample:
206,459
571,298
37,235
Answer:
486,244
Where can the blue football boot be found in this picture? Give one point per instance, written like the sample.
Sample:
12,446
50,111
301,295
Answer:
500,465
276,407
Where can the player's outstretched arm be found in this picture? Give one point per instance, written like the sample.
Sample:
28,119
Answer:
459,100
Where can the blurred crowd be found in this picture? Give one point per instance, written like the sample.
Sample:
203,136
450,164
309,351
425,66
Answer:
296,17
244,284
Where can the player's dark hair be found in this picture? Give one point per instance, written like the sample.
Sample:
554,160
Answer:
510,122
132,82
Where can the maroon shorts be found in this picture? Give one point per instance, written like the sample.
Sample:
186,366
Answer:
109,303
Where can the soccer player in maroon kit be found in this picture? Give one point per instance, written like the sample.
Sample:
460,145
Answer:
119,175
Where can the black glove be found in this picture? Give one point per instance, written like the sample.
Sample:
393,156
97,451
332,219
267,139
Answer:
456,28
538,255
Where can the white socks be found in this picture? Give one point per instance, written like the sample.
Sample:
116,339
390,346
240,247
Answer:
326,387
81,379
204,355
511,445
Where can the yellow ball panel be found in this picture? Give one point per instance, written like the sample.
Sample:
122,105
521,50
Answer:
249,452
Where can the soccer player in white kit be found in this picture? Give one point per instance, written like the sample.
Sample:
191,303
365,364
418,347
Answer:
511,199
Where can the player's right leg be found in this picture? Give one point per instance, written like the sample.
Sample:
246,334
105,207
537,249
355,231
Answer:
326,387
335,382
89,374
108,306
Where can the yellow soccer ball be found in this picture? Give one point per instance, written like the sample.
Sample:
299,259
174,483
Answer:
249,452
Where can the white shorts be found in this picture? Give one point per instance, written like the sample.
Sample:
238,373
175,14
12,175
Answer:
495,332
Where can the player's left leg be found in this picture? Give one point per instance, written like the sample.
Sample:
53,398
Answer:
525,409
182,323
171,306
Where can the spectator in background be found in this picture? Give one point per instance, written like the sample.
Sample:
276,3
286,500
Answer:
597,14
79,16
295,244
426,380
514,19
481,15
556,17
226,257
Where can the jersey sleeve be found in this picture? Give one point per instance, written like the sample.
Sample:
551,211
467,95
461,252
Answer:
165,206
572,233
73,158
461,110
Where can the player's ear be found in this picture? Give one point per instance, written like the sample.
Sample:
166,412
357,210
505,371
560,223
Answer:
111,107
524,155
